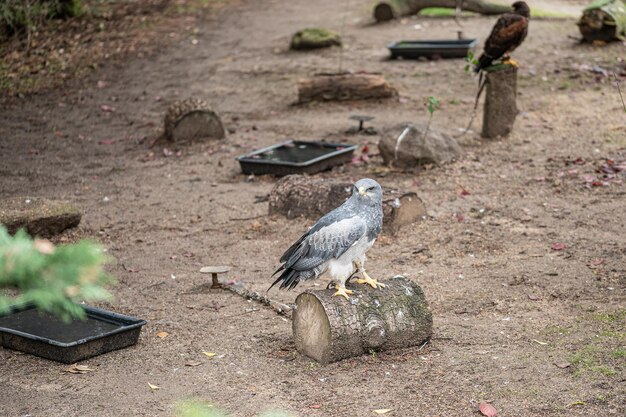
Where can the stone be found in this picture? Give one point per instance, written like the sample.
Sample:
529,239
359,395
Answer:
414,150
314,38
39,216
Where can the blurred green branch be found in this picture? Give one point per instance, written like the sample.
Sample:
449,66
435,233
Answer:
53,278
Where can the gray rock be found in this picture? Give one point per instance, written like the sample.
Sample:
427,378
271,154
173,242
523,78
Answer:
39,216
414,150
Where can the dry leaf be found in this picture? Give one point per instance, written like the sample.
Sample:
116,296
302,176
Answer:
162,335
487,409
193,363
209,354
44,246
382,411
153,387
540,342
79,369
562,365
316,406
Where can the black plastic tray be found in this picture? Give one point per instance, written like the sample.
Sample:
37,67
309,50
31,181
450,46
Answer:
295,157
447,48
29,330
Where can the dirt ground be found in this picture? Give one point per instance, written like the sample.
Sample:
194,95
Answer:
522,256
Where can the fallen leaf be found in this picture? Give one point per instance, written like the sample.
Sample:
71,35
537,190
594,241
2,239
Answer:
107,109
162,335
209,354
459,217
79,369
563,365
533,297
44,246
153,387
316,406
558,246
540,342
382,410
487,409
193,363
106,142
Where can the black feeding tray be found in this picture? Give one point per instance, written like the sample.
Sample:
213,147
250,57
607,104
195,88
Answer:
29,330
453,48
295,157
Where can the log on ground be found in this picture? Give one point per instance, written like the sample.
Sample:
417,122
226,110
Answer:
344,86
39,216
327,328
192,119
393,9
500,101
298,195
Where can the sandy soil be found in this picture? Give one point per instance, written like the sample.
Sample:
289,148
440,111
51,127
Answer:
507,307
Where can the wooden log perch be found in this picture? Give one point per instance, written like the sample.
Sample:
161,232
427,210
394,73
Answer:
298,195
192,119
393,9
328,328
344,86
500,101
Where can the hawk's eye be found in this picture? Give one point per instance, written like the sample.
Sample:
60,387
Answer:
371,188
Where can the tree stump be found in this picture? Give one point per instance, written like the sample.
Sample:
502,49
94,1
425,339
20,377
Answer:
192,119
39,216
298,195
500,101
392,9
328,328
344,86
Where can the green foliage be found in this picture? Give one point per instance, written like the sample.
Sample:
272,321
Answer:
195,408
19,16
470,62
433,104
53,278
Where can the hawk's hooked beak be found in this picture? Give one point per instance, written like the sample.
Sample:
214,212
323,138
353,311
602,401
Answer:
362,190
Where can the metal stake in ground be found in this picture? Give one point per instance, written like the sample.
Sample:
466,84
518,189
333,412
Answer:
215,271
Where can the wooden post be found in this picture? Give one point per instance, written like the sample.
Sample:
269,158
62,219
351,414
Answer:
500,101
328,328
392,9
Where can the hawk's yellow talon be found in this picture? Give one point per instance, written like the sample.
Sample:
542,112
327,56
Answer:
342,291
371,282
511,62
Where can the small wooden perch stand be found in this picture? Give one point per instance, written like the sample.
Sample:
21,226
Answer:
328,328
344,86
214,271
500,100
392,9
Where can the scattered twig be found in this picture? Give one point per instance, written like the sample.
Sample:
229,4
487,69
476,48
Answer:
619,90
247,218
241,290
481,86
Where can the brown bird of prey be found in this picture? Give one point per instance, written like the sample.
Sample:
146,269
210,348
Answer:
507,34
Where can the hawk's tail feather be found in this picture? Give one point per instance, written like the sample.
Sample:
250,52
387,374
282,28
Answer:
483,62
291,277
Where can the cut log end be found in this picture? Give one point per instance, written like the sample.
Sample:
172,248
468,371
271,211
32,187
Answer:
383,12
328,328
192,119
